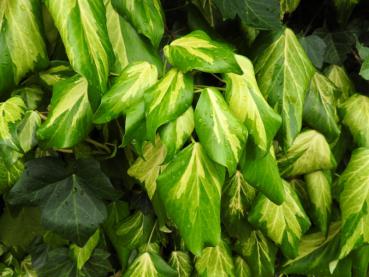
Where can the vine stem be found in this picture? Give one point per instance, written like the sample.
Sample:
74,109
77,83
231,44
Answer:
152,233
98,144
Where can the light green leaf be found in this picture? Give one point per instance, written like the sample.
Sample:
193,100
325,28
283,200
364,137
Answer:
191,177
127,91
364,70
22,48
57,71
70,117
354,200
177,132
83,254
9,174
259,253
338,76
84,22
320,107
127,44
32,96
27,130
288,6
215,261
283,71
355,115
147,168
220,132
309,152
262,173
167,100
149,264
284,224
147,16
241,268
198,51
181,262
318,186
249,106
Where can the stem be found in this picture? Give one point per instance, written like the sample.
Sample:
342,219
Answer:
68,151
98,144
218,78
43,117
204,86
151,234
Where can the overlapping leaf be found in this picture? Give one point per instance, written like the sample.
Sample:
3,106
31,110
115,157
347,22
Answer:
181,262
341,80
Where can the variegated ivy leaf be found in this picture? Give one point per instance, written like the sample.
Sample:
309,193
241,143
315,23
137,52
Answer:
215,261
309,152
135,230
70,118
22,45
341,80
288,6
84,21
284,224
149,264
147,168
27,130
9,174
241,268
258,252
191,177
320,107
318,186
262,173
354,201
83,254
355,115
146,16
32,96
57,71
283,71
249,106
220,132
198,51
127,44
167,100
181,262
176,133
127,91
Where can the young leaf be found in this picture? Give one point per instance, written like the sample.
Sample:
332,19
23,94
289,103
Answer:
215,261
149,264
181,262
22,48
249,106
70,195
9,174
85,22
318,186
191,177
309,152
220,132
320,107
341,80
355,115
145,15
83,254
283,71
198,51
70,118
241,268
126,92
167,100
284,224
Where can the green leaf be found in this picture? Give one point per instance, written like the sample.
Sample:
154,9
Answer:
341,80
283,71
320,107
126,92
128,46
70,195
248,105
181,261
57,71
259,253
220,132
135,125
288,6
309,152
149,264
354,200
198,51
241,268
9,174
22,48
364,70
215,261
70,117
177,132
32,96
146,16
355,115
82,27
344,9
260,14
318,186
27,130
360,261
315,48
191,177
208,10
262,173
147,168
135,230
284,224
167,100
83,254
